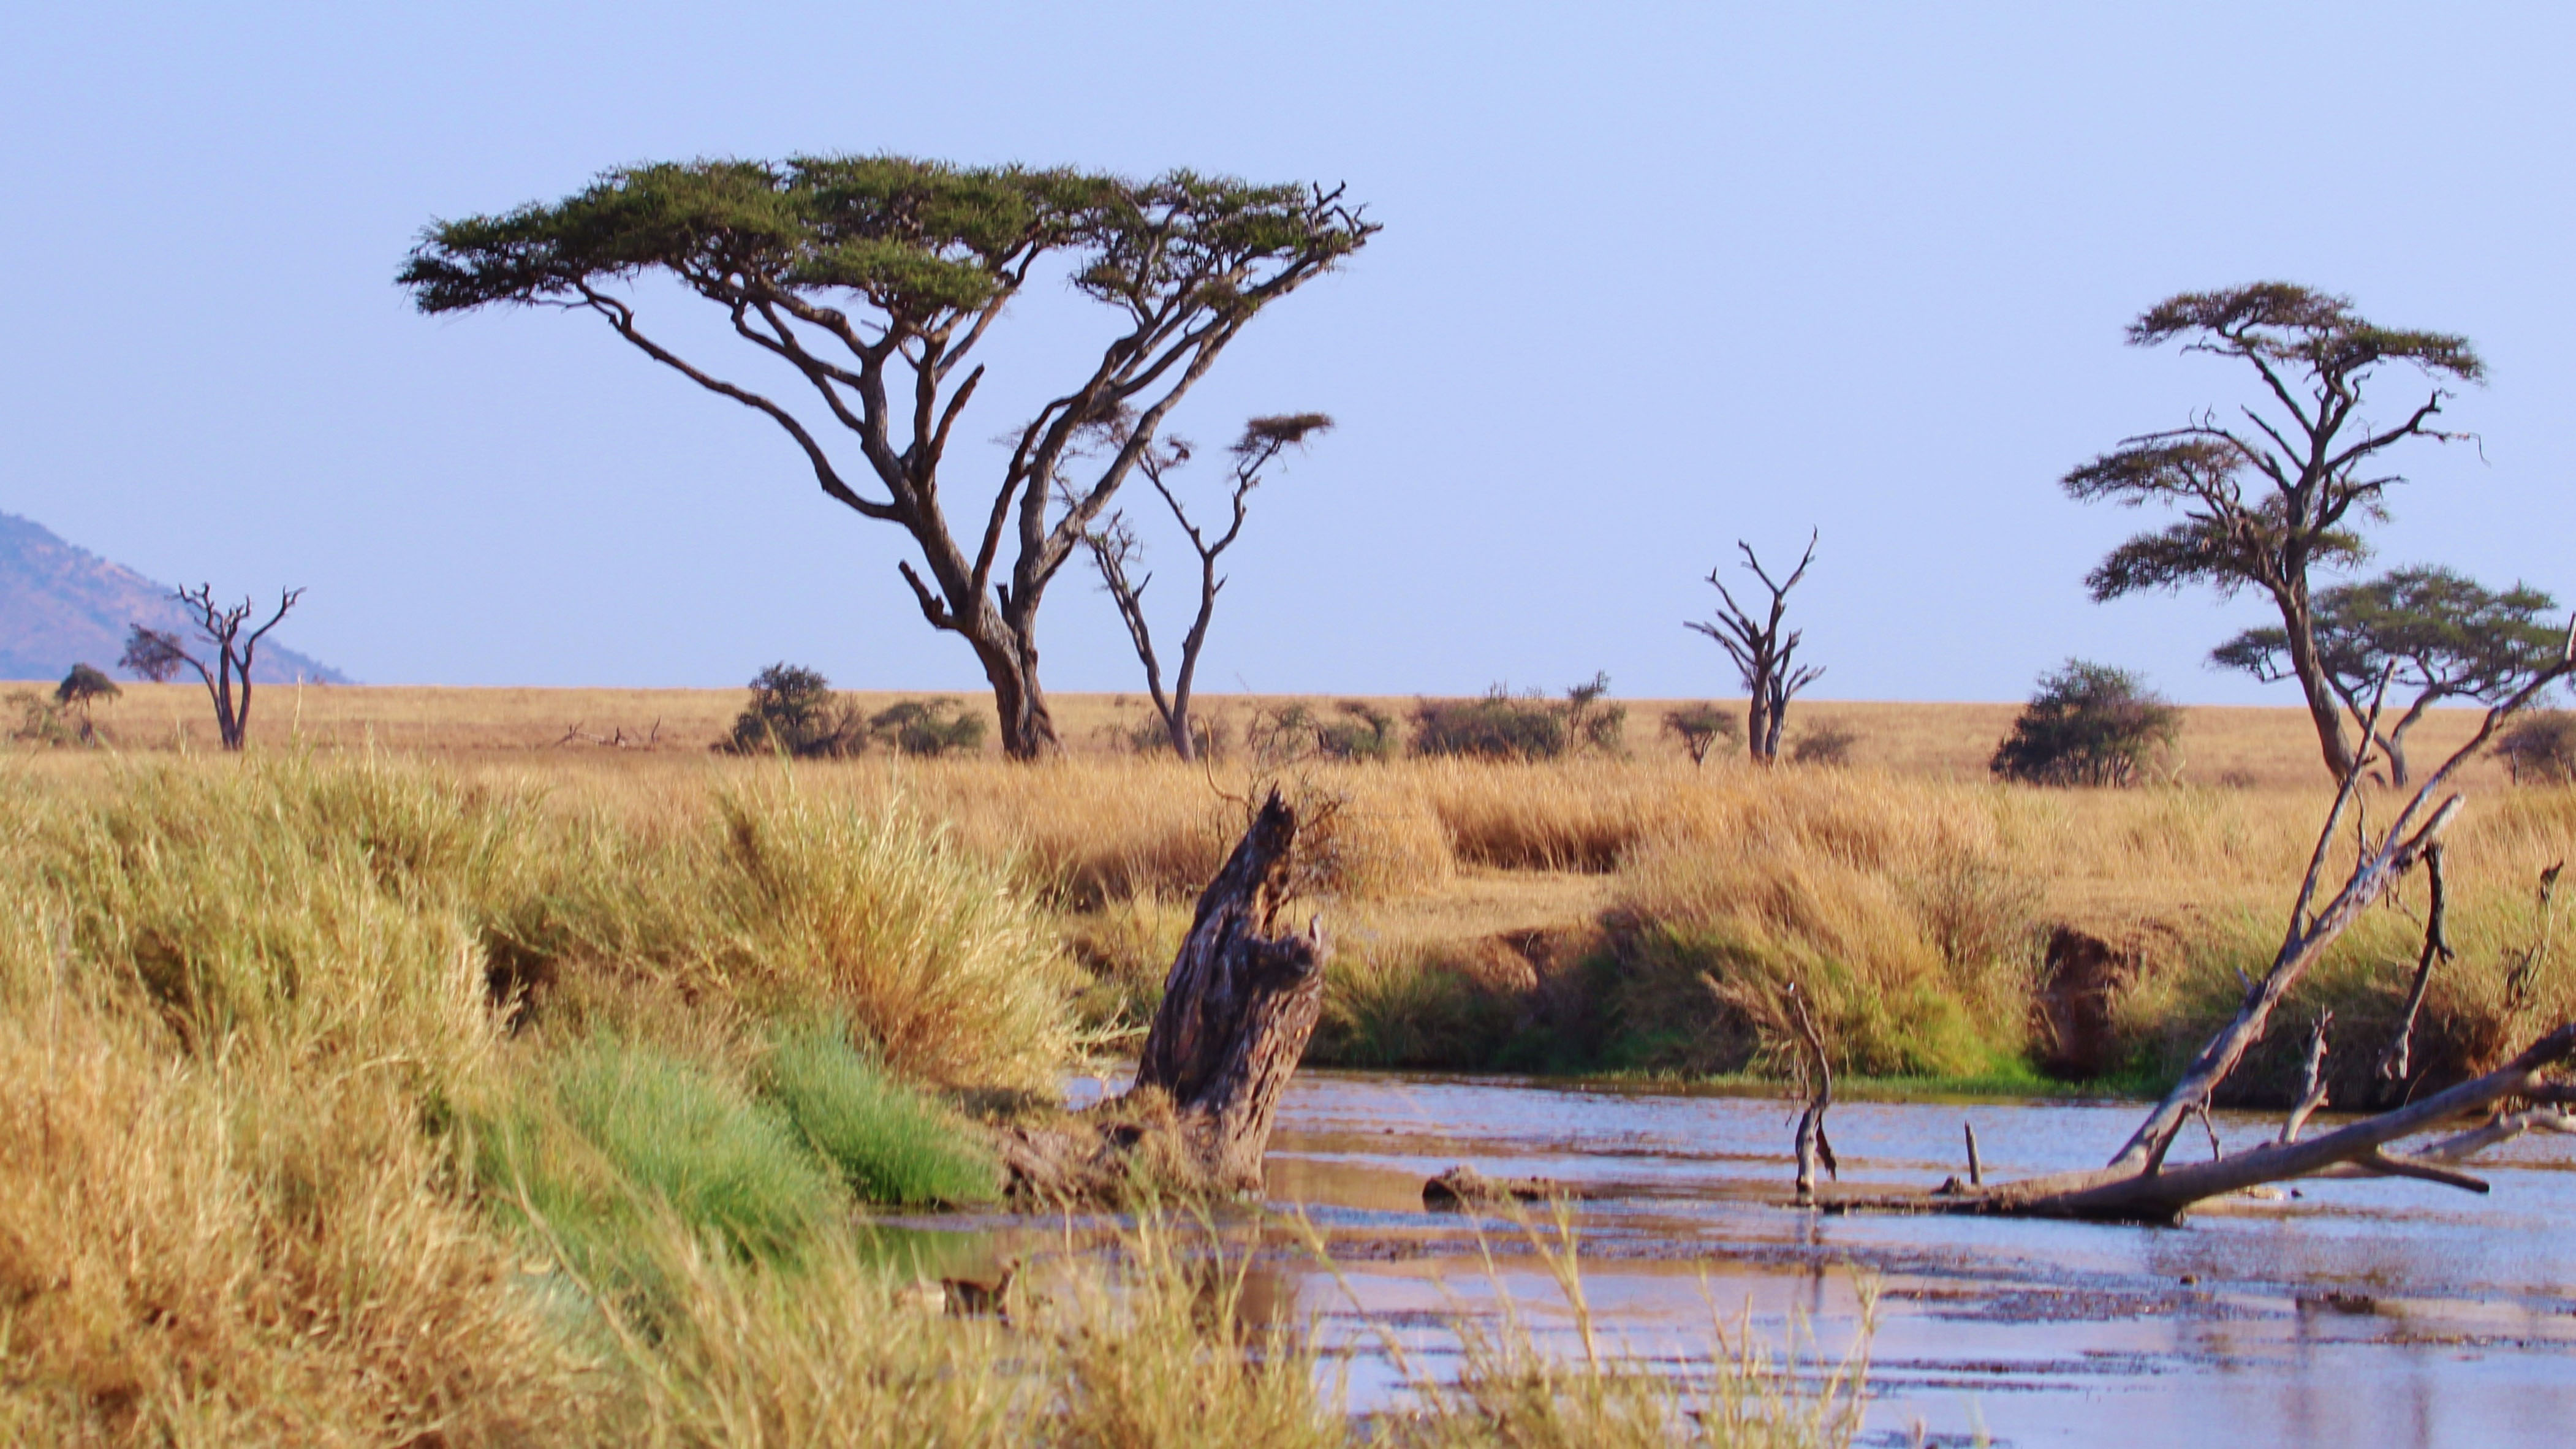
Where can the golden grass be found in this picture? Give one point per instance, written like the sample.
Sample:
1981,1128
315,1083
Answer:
280,1171
2269,746
249,1066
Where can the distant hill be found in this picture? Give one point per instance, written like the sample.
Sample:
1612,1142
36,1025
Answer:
61,605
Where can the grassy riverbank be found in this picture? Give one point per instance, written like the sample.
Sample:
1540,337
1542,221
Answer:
370,1101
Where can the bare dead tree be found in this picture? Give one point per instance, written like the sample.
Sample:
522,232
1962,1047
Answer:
1763,655
1114,549
1818,1068
158,655
2137,1185
1239,1004
2397,1060
2312,1080
2524,977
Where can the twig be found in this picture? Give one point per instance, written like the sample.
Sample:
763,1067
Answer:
1812,1145
2395,1062
2312,1085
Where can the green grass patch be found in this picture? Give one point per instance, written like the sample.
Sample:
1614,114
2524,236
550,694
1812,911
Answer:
616,1134
890,1143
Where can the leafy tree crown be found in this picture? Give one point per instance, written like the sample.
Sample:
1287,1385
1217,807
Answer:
2088,724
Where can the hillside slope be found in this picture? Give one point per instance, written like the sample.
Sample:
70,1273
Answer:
62,605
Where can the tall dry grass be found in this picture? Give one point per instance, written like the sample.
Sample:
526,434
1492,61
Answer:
285,1168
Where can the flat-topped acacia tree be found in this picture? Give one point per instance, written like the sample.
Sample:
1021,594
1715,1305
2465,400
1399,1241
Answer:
870,280
2286,490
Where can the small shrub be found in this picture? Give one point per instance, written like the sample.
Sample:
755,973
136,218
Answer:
1150,736
2088,724
1364,732
1499,726
1703,727
1824,745
2540,749
792,712
1591,724
929,727
1356,730
891,1144
43,722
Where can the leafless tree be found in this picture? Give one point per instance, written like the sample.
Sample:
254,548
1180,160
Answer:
1114,548
1763,655
158,655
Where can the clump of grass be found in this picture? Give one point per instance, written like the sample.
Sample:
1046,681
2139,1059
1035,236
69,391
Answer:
1911,936
935,955
1746,1396
1422,1008
890,1143
669,1130
1127,947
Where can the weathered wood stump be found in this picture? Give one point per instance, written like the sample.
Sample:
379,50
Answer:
1238,1008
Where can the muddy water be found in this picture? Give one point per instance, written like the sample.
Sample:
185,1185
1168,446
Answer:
2380,1313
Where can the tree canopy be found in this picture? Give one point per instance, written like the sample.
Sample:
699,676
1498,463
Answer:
2435,633
2088,724
2285,487
871,280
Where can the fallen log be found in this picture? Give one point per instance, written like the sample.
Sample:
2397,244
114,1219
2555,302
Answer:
1237,1010
2138,1186
2116,1194
1463,1188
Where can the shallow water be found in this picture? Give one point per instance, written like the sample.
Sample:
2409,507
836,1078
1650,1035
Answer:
2365,1312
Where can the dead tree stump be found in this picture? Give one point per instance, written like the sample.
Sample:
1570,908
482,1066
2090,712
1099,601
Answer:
1238,1008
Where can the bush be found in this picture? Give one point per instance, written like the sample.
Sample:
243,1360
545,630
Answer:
1150,736
929,727
1364,732
1703,727
2088,724
792,712
1505,726
891,1144
1496,727
1824,745
2540,749
1288,732
1591,724
43,722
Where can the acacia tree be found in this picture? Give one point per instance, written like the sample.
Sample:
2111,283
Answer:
1764,656
158,655
1114,547
2266,500
872,280
2428,630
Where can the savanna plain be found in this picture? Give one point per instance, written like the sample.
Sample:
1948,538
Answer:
505,1066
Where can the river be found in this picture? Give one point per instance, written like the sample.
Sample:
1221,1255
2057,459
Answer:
2370,1312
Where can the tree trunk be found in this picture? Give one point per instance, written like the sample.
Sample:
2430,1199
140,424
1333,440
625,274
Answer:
2126,1194
1757,723
1237,1010
2325,711
1010,661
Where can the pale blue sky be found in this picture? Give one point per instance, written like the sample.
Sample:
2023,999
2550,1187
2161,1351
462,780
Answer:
1653,277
